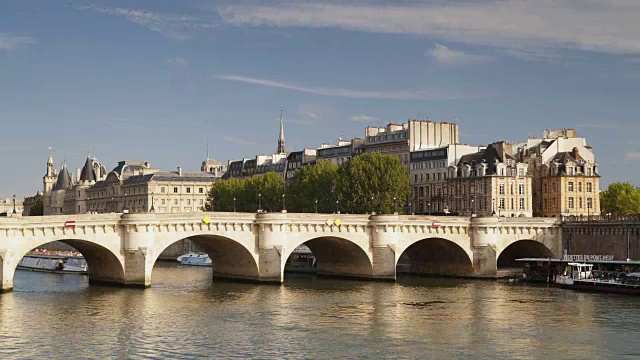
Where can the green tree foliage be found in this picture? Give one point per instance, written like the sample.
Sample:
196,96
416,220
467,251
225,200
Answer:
246,193
38,208
370,182
311,184
620,198
373,182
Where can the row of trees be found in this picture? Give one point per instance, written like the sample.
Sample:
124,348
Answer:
620,198
370,182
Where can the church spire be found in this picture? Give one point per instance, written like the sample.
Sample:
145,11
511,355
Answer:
281,148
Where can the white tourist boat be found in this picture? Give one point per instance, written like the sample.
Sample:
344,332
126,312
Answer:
195,259
572,272
54,264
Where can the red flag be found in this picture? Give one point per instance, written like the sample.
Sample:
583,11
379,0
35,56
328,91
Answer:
70,224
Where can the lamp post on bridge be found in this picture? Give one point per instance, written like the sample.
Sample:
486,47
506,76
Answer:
14,204
152,204
284,207
259,202
234,204
337,207
316,205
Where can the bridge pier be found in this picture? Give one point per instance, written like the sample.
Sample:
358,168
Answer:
384,238
484,238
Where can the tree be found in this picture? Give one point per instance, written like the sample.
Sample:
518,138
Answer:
620,198
373,182
311,184
38,208
245,192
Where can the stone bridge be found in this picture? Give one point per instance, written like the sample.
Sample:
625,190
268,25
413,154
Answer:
121,249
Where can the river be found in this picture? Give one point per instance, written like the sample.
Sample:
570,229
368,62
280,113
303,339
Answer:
187,316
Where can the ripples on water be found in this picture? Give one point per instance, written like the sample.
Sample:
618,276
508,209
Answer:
187,316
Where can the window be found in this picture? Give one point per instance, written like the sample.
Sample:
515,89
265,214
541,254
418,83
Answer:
570,203
201,190
511,203
501,189
520,189
580,203
163,202
188,190
553,203
175,190
546,204
580,187
546,188
589,187
502,204
521,204
554,187
589,203
175,201
201,202
512,190
481,204
570,186
188,201
521,172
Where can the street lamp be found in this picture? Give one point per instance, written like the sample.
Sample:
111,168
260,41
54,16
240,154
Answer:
152,204
316,206
493,207
473,207
429,208
372,209
394,204
259,202
234,204
337,208
14,203
284,207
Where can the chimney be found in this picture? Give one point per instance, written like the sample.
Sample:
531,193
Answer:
179,171
78,174
576,153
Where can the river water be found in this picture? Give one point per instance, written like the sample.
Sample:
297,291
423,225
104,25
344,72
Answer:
187,316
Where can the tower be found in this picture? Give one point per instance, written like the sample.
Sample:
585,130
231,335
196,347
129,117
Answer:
281,148
50,178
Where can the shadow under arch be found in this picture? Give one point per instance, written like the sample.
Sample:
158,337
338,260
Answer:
434,256
229,258
338,257
522,249
103,265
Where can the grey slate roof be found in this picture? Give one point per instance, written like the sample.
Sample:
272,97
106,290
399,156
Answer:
88,173
64,180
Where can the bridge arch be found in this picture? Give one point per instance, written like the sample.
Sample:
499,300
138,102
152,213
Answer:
104,264
230,258
335,255
525,248
434,256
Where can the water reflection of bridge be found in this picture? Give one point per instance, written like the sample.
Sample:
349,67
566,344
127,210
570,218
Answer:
122,248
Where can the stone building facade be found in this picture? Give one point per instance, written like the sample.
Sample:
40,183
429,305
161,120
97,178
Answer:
566,181
132,186
490,183
428,173
401,139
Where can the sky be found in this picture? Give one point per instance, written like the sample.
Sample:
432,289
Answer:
158,80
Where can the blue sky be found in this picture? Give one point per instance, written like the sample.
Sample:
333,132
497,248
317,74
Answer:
156,80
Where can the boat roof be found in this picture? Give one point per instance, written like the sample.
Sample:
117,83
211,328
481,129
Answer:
562,261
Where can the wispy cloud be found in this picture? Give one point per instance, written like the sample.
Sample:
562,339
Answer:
446,56
10,41
236,140
362,117
632,156
609,26
309,113
179,61
177,27
426,94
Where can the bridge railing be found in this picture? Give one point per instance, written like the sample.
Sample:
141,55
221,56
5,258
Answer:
602,218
